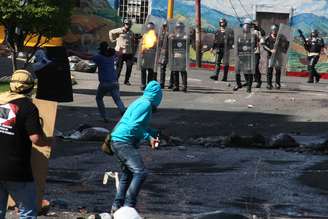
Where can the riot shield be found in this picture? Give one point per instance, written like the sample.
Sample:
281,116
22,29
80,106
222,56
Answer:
148,46
245,46
178,59
224,44
281,46
162,46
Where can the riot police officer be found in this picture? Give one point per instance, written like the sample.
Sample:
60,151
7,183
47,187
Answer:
245,46
147,56
269,44
125,41
178,55
223,42
313,45
163,56
260,33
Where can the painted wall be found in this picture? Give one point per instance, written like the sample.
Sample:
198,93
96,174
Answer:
91,22
308,14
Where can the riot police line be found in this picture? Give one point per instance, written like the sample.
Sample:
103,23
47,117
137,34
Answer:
164,46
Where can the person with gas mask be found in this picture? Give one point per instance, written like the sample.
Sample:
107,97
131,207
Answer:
125,43
223,42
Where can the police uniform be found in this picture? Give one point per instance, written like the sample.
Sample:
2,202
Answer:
269,43
125,42
163,59
223,41
313,45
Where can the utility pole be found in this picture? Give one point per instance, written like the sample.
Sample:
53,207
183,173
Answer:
198,22
170,9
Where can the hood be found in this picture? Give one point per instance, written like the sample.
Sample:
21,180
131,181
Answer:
153,93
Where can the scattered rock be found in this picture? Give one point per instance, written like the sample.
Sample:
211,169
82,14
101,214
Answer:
85,66
235,140
283,141
208,141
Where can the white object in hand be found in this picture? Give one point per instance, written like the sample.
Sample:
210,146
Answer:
113,175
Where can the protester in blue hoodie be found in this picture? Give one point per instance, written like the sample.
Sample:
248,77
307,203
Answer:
130,130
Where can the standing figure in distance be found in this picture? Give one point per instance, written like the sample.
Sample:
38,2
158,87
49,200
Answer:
147,55
223,42
125,42
178,55
313,45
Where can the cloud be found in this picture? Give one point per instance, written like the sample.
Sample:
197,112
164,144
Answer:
318,7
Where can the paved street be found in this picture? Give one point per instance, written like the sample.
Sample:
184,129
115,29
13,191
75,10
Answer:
191,181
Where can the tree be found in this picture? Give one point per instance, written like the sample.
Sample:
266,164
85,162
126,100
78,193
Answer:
26,20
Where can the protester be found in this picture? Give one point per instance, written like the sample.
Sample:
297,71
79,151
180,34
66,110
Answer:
107,77
130,130
19,128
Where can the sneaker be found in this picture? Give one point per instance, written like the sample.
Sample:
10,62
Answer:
170,87
176,89
249,90
214,77
184,90
269,87
127,83
224,79
317,78
277,86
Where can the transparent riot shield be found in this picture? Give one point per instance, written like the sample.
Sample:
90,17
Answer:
281,46
178,47
148,46
245,46
162,46
223,46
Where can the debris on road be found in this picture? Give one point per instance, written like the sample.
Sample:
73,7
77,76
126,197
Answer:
283,141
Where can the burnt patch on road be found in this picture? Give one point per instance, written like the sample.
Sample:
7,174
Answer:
178,168
316,176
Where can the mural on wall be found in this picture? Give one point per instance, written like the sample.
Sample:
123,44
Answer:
90,24
92,20
308,14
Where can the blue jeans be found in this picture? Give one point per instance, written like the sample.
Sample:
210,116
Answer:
113,90
133,174
24,194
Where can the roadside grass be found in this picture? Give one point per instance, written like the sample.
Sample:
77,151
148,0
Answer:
4,86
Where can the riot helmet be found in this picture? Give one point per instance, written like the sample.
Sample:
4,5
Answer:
127,23
274,29
314,33
247,25
223,22
179,27
150,26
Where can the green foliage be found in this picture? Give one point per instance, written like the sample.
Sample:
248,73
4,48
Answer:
22,18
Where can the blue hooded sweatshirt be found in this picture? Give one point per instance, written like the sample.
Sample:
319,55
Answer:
133,126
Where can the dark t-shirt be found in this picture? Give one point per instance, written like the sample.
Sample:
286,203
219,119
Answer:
18,120
106,68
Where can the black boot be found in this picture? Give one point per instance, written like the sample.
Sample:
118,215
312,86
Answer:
278,78
269,79
238,82
225,73
214,77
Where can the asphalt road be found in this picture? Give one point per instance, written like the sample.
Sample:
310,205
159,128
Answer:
191,181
